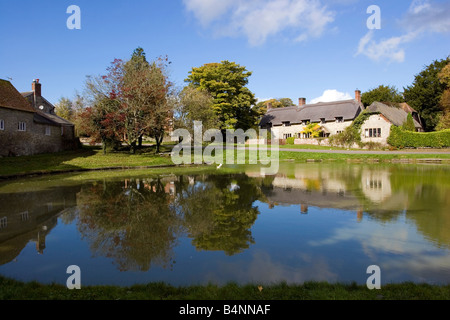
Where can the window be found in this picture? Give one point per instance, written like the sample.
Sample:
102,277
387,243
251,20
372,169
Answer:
339,119
22,126
286,124
2,124
62,131
373,133
287,135
322,120
339,131
48,131
24,216
3,223
374,184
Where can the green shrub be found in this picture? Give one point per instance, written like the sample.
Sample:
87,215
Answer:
400,138
290,140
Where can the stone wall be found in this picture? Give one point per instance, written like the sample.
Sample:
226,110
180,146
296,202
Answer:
34,140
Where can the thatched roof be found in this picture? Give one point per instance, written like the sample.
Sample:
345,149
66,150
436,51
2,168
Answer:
395,113
313,113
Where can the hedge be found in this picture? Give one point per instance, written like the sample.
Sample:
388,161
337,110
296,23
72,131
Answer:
290,140
400,138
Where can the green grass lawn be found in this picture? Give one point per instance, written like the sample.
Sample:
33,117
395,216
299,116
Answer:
16,290
89,158
83,159
93,158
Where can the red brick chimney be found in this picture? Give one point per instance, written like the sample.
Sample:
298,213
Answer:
36,87
358,95
301,102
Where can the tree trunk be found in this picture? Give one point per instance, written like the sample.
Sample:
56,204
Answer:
159,140
104,146
133,147
140,141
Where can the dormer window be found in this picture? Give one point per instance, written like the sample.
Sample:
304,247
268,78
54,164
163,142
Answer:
322,120
339,119
286,123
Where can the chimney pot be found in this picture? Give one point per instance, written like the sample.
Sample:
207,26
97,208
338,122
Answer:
36,87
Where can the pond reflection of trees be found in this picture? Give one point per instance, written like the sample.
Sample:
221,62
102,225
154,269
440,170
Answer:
137,222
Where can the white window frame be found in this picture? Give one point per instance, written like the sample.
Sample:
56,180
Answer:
48,130
2,124
24,216
373,132
3,222
22,126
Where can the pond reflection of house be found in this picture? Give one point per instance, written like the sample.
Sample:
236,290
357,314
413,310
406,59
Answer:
310,198
376,185
309,186
30,216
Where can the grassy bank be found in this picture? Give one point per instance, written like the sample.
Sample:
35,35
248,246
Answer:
15,290
89,158
84,159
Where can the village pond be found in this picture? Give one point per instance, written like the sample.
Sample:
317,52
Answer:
310,222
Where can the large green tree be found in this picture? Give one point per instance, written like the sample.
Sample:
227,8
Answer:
444,77
64,108
381,93
227,83
195,105
425,93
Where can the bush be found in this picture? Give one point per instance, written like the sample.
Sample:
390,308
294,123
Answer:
290,140
406,139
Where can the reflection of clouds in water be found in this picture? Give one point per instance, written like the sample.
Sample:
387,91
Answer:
397,249
262,269
425,267
373,237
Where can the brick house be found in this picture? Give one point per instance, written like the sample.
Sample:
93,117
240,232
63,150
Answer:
29,125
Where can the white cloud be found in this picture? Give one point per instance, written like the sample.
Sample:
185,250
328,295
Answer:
207,11
423,16
387,49
332,95
428,16
258,20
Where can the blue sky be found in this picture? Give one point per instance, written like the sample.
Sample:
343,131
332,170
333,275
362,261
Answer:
295,48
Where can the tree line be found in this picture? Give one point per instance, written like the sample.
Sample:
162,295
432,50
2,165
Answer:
429,95
136,99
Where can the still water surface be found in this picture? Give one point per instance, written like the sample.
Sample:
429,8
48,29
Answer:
321,222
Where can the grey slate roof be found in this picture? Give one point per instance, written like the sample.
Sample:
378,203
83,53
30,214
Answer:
395,114
347,109
50,119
